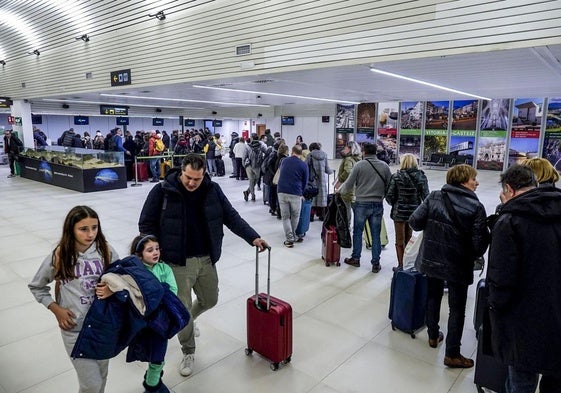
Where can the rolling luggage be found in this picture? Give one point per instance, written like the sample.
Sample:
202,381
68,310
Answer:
408,301
165,166
269,322
304,222
330,248
141,171
489,373
220,170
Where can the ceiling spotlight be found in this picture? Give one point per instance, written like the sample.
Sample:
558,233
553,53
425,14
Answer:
35,52
160,15
84,38
3,62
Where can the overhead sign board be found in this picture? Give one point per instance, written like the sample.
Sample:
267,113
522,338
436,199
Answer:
120,78
113,110
5,102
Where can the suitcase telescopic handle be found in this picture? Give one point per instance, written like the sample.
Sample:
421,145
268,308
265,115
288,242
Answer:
268,277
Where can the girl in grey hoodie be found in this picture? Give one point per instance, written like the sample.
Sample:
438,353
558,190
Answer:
75,265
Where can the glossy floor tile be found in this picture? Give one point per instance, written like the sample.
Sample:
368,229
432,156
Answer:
343,341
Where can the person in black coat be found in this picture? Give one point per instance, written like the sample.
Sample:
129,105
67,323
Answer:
407,189
524,280
12,147
187,212
454,236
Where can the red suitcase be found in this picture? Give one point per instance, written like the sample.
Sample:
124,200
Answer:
141,171
330,248
269,322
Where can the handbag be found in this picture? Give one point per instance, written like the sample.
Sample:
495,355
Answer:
311,191
276,177
411,251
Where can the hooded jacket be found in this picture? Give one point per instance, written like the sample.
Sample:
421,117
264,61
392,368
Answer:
524,280
406,190
163,215
144,324
447,252
317,162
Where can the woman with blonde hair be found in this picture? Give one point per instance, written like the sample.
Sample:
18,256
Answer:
546,174
407,189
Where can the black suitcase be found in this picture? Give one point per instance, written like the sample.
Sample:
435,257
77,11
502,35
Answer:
220,170
490,373
408,301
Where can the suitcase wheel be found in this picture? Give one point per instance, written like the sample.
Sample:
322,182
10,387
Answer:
479,389
338,264
327,264
274,366
288,359
413,335
248,351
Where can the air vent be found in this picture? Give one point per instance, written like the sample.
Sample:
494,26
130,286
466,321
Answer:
223,85
243,50
263,81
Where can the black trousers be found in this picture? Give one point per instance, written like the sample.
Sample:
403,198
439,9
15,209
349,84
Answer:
457,297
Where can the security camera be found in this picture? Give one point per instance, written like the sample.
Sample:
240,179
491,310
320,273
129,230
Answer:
258,96
259,115
214,112
65,106
158,110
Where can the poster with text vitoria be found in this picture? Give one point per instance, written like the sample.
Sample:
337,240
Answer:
552,137
492,135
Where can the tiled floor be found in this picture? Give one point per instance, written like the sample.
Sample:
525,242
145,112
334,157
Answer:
343,341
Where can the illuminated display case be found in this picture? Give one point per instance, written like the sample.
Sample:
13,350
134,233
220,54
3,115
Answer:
77,169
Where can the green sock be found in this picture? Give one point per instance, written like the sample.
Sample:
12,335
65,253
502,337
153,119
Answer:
153,373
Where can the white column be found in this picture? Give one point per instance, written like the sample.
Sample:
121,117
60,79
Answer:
22,109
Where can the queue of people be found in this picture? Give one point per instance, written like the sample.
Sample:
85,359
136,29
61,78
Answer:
454,223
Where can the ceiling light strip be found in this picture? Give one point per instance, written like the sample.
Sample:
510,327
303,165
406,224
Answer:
427,83
275,94
182,100
117,103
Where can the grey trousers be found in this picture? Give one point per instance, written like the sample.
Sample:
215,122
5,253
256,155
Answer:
290,206
92,374
198,275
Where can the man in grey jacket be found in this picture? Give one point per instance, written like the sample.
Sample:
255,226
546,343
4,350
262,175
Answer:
369,177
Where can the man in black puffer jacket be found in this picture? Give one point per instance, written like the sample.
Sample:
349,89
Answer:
187,212
453,238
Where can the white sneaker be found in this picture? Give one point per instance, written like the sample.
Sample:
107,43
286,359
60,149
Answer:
196,331
187,364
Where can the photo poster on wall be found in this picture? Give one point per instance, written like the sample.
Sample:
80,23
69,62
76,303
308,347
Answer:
492,134
344,127
527,114
365,126
436,128
464,126
387,127
410,130
552,135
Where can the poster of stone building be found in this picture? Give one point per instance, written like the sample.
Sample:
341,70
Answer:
387,128
464,126
410,128
527,114
436,128
492,135
344,127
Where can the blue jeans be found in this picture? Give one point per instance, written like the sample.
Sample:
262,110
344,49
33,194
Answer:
371,211
155,168
211,166
520,381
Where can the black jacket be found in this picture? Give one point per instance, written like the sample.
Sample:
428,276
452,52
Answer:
406,189
12,145
163,216
524,279
447,252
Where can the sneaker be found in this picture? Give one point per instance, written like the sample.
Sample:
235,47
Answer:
353,262
245,195
458,362
11,175
376,268
253,198
196,331
288,244
155,181
433,342
300,239
187,364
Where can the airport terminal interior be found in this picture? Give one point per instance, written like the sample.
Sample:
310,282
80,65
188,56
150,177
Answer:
343,341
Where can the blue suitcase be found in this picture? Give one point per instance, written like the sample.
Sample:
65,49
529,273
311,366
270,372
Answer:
408,301
304,222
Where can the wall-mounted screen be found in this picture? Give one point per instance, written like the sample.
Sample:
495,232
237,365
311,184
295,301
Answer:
189,123
287,120
157,122
122,121
217,123
36,119
81,120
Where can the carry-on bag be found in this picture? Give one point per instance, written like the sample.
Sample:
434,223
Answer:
269,322
141,171
330,248
165,166
367,235
408,301
490,373
304,221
